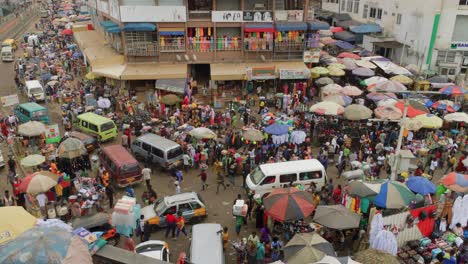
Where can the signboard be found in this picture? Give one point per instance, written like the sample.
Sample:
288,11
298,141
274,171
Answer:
294,74
114,9
257,16
52,134
9,100
261,73
459,45
226,16
311,56
153,14
289,15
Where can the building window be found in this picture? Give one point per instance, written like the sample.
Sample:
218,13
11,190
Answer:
379,13
141,43
446,56
398,19
343,5
365,11
356,6
373,12
463,2
349,6
293,5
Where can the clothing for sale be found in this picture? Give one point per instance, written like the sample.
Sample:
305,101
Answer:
377,225
385,241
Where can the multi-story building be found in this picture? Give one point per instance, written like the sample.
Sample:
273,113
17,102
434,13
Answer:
218,43
429,33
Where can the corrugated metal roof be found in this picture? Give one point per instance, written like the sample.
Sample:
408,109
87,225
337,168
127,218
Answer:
406,234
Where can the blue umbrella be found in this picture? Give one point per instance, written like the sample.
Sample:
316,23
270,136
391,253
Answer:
46,76
421,185
343,44
277,129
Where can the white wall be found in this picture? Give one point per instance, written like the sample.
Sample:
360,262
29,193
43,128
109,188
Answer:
333,7
447,23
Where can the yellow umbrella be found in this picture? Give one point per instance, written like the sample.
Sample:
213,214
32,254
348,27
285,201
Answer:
336,65
14,221
319,70
335,71
402,79
92,76
430,121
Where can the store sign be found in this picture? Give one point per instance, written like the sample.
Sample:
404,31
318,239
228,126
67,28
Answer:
153,14
294,74
9,100
52,134
226,16
311,56
261,73
459,45
257,16
289,15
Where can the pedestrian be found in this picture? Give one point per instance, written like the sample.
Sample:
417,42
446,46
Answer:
177,187
12,165
170,224
260,258
433,166
186,159
276,248
42,201
8,199
180,224
239,221
140,228
219,175
110,196
146,231
147,175
129,243
225,236
203,177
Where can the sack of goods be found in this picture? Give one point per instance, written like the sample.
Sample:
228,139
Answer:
240,208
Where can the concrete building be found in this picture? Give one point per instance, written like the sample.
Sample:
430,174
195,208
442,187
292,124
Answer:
429,33
227,45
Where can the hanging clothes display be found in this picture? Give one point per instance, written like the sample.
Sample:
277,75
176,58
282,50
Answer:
385,241
377,225
200,39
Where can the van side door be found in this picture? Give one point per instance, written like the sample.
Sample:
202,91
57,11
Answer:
158,155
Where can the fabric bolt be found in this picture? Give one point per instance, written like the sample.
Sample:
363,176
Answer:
280,139
385,241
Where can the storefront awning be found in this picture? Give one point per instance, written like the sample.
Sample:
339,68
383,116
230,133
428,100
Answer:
318,25
171,31
292,70
388,44
228,71
153,71
142,27
98,52
366,28
109,71
172,85
348,23
108,23
345,36
290,26
260,27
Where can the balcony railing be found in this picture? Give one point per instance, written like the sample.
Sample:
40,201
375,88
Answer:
289,46
201,45
258,45
141,49
200,14
228,45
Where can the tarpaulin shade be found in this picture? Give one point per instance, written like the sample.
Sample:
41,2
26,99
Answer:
144,27
318,25
346,36
108,24
347,23
366,28
344,44
171,85
264,27
171,33
290,26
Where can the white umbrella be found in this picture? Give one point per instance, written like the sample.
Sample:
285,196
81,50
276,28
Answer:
103,103
365,64
351,90
387,102
202,133
374,80
31,129
457,117
331,89
32,160
327,108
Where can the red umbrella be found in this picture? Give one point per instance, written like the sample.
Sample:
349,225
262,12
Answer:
412,111
349,55
336,29
288,204
67,32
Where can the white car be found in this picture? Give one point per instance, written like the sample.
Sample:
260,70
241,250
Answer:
156,249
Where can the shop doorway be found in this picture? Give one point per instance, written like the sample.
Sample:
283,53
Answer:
200,73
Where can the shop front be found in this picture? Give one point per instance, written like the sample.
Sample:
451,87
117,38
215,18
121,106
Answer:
290,36
171,39
258,37
227,82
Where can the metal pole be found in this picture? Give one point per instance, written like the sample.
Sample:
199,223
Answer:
403,50
400,140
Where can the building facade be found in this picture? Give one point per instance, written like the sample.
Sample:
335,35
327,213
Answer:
429,33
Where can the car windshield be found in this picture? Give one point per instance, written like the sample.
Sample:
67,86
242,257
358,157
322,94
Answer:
35,90
131,168
107,126
159,206
149,248
257,175
39,113
173,153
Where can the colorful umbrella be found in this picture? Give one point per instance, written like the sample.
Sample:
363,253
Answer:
14,221
349,55
364,72
357,112
454,178
349,63
336,217
394,195
413,109
405,80
45,245
327,108
277,129
457,117
202,133
37,183
363,189
388,112
365,64
319,70
373,80
71,148
351,91
32,160
387,86
324,81
49,174
421,185
453,90
31,129
380,96
307,248
446,105
333,71
253,135
288,204
430,121
331,89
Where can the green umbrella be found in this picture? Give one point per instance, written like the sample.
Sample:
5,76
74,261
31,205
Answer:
32,160
71,148
170,99
319,70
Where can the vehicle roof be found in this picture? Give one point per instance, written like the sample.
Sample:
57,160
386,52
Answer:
34,83
119,155
207,249
7,48
32,107
181,197
8,41
150,242
288,166
159,141
94,118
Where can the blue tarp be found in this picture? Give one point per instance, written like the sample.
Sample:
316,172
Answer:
171,33
318,25
145,27
290,26
113,30
346,36
366,28
344,44
108,23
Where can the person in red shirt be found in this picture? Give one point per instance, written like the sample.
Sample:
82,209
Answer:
337,194
129,244
170,224
180,225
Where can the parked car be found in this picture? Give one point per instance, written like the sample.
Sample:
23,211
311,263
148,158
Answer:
89,142
156,249
190,204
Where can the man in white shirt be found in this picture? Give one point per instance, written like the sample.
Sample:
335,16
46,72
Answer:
42,201
186,158
147,176
433,166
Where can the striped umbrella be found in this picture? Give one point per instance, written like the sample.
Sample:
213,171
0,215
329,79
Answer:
453,90
37,183
394,195
446,105
288,204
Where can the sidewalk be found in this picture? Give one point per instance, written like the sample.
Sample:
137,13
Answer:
13,27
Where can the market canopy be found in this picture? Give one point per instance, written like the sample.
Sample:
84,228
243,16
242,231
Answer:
259,27
345,36
139,27
365,28
318,25
14,221
172,85
110,26
290,26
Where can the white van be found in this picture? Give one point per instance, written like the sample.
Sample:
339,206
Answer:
35,89
206,245
267,177
165,152
7,54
